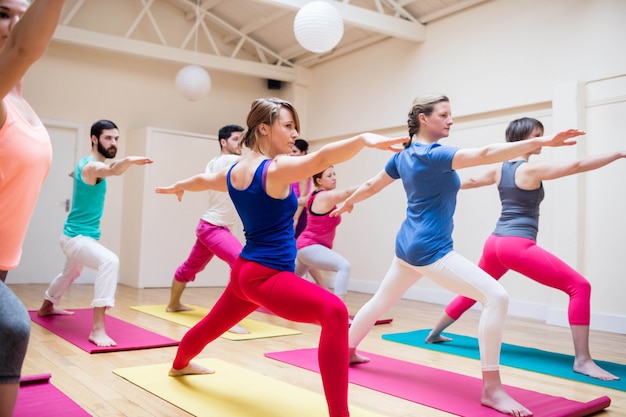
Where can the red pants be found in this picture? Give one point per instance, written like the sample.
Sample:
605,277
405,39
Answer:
289,296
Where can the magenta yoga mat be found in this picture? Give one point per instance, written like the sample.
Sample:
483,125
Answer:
38,397
75,329
431,387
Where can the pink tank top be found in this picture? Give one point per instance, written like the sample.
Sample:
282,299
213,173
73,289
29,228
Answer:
25,158
320,228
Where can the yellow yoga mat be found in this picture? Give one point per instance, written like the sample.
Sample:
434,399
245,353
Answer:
257,329
231,391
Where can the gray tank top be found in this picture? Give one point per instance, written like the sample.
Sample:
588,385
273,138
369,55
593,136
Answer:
520,208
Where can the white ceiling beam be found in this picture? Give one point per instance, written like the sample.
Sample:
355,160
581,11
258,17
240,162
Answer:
319,58
366,19
144,49
73,11
447,11
256,24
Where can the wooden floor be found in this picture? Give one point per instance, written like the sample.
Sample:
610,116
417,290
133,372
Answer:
89,381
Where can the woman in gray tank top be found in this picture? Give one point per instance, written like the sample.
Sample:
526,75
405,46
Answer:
512,245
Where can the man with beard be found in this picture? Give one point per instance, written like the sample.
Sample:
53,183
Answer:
81,233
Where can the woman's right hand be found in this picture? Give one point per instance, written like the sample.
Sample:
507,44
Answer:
344,207
373,140
564,138
172,189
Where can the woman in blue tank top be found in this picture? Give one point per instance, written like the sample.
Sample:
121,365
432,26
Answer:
424,244
512,245
263,275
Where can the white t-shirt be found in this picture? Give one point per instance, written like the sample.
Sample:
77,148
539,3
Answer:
221,211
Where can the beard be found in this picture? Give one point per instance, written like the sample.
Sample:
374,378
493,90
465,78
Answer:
107,153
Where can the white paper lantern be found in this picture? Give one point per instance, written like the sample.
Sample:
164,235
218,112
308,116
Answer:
318,26
193,82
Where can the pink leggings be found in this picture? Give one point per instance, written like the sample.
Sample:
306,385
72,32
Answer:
288,296
522,255
210,240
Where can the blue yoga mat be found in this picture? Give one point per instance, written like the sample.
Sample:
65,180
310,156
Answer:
530,359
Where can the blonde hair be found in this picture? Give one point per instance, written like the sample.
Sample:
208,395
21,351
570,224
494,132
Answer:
424,104
264,110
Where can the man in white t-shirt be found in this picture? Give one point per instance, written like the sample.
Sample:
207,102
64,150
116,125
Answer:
213,231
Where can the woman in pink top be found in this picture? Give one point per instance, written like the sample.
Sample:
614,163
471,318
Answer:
25,157
315,243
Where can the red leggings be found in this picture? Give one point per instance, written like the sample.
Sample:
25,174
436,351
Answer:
522,255
289,296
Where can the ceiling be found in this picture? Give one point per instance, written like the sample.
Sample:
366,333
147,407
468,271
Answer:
250,37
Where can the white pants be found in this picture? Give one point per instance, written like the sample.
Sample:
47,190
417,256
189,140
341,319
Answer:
320,257
455,273
85,251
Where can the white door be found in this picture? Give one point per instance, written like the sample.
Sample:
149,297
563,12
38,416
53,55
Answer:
42,258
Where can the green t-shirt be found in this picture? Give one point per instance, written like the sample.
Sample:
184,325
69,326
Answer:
87,205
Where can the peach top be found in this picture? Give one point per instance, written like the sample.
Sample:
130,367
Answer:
25,158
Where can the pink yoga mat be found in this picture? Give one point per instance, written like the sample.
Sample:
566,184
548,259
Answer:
37,397
75,329
443,390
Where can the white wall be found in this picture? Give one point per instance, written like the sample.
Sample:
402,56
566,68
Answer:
557,61
495,61
498,55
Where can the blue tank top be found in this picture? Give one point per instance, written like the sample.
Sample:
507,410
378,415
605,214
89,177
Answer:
520,208
87,205
267,222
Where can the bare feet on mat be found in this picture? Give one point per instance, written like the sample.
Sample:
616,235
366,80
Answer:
437,338
191,369
500,401
590,368
100,338
48,309
239,329
172,308
355,358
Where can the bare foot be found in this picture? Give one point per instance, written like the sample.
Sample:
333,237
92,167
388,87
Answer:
190,369
48,309
355,358
172,308
239,329
100,338
500,401
437,338
590,368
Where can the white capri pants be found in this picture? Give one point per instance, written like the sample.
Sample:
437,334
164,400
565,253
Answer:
320,257
86,251
455,273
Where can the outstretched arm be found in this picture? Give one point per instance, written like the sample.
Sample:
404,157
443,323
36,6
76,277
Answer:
328,199
486,178
27,41
549,171
96,169
286,170
366,190
499,152
201,182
